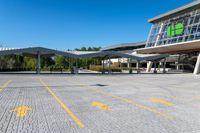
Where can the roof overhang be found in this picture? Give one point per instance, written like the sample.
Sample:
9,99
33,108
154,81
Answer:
45,52
183,9
124,46
176,48
33,51
109,54
115,54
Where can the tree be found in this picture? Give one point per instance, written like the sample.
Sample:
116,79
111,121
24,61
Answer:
29,63
47,62
88,49
87,62
60,62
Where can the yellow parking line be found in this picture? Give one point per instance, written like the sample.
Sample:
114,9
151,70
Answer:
130,102
5,85
76,119
197,97
155,100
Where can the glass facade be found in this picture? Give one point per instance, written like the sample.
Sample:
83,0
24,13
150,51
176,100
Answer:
183,28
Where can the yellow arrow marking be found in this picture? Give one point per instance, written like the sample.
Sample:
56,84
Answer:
22,111
155,100
100,105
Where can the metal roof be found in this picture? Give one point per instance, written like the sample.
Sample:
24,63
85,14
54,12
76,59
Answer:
116,54
33,51
125,45
81,52
176,11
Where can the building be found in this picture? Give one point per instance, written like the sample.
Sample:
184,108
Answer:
132,64
124,48
176,32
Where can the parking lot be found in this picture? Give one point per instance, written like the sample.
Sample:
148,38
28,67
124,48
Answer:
146,103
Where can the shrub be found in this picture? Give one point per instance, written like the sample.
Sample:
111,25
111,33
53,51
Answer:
100,68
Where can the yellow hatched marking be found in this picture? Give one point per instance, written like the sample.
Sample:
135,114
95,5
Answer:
5,85
64,106
21,111
131,102
155,100
100,105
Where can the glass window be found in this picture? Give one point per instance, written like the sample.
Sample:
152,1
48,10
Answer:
186,38
194,29
198,29
197,36
180,39
181,28
191,20
196,20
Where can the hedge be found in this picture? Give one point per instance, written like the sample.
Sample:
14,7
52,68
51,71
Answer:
100,68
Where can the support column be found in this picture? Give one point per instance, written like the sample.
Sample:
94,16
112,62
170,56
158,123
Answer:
76,66
129,66
121,66
138,67
38,69
177,63
109,63
197,66
128,63
149,66
177,66
164,66
103,65
86,60
155,71
69,62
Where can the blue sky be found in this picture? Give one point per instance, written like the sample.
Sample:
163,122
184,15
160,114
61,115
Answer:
69,24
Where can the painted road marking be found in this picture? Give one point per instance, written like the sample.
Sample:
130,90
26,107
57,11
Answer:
64,106
130,102
155,100
100,105
198,97
5,85
21,111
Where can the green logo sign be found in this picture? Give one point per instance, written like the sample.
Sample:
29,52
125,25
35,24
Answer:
173,30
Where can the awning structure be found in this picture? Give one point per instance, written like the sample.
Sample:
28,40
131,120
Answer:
115,54
33,51
39,52
109,54
152,57
125,46
183,47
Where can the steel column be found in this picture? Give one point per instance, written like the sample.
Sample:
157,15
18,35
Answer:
155,71
164,66
138,67
109,63
38,69
197,66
